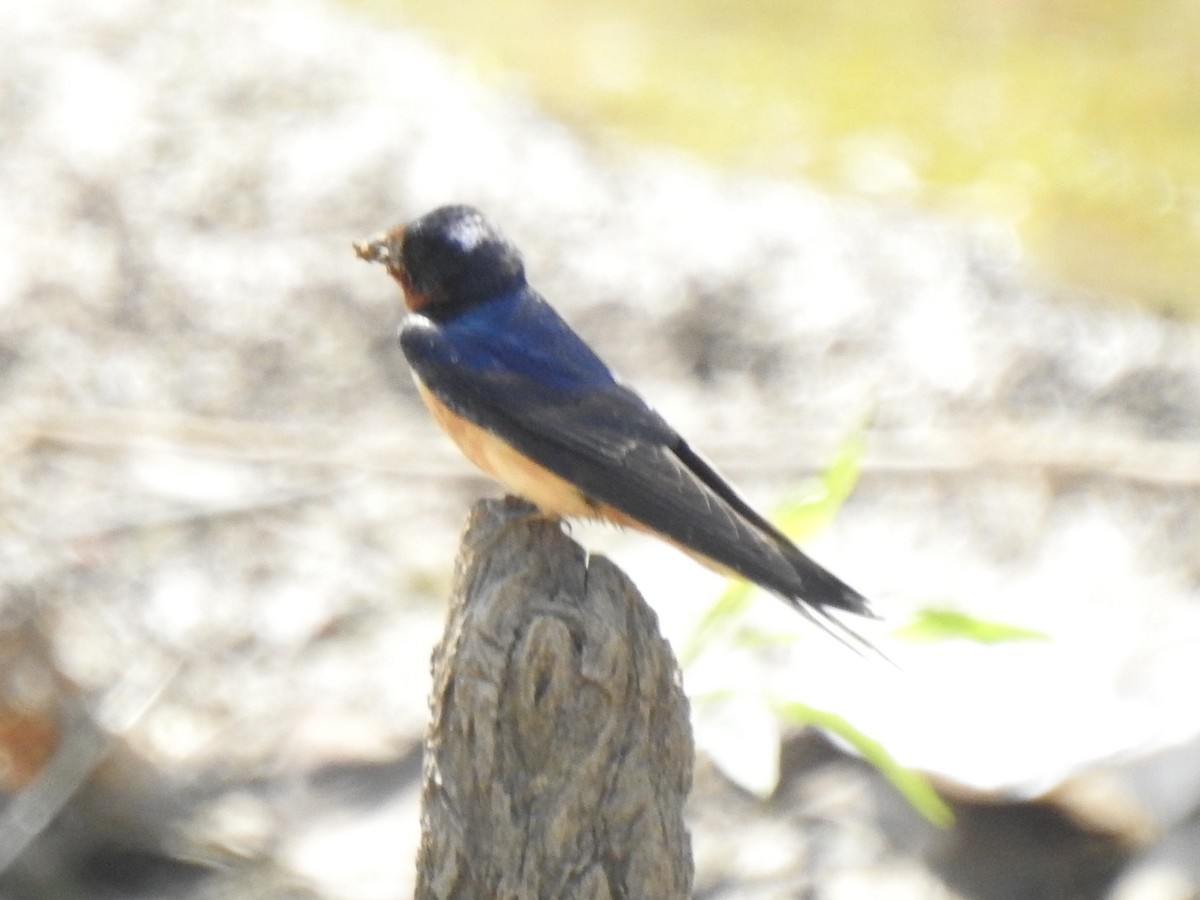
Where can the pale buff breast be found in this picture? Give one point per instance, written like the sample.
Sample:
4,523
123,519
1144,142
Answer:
551,494
517,472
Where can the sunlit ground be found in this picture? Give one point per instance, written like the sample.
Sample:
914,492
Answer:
1076,122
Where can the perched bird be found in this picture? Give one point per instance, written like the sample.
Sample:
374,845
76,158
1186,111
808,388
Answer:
533,406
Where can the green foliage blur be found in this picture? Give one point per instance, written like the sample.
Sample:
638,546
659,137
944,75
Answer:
1076,123
809,511
912,785
806,513
934,624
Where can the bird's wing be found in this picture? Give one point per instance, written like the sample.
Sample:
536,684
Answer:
603,438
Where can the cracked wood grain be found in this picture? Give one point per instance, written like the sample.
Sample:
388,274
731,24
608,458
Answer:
559,753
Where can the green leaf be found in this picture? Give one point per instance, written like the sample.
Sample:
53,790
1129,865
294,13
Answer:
934,624
812,509
914,786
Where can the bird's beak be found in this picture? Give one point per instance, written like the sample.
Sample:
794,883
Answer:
385,249
371,251
382,249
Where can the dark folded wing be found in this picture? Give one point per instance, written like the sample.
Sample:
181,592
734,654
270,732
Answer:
608,442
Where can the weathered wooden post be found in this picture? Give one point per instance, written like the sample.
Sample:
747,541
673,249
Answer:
559,753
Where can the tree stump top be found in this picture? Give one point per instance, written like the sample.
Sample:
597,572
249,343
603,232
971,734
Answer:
559,753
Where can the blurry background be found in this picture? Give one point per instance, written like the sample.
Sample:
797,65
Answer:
1074,123
228,527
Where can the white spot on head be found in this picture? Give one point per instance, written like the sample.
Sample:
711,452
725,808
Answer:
469,232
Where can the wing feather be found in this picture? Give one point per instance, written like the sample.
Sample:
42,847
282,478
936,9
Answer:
605,439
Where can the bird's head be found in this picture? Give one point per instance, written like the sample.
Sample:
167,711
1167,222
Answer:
447,260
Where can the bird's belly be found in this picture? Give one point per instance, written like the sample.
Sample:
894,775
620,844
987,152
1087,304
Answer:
516,471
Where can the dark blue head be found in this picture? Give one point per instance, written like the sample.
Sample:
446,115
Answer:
448,260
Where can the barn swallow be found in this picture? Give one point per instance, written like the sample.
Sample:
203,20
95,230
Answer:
532,405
